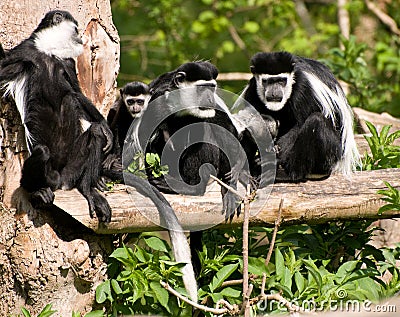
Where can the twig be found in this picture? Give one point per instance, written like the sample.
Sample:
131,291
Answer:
228,187
264,280
277,224
215,311
384,17
246,288
277,297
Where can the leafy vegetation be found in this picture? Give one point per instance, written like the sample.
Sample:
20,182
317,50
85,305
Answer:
153,162
134,280
384,154
157,36
314,267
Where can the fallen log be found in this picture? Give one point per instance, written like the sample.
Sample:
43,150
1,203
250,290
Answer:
335,198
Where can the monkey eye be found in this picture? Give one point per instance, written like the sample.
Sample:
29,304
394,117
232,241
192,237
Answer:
140,102
130,102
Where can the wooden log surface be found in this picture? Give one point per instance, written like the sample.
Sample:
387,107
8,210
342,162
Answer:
336,198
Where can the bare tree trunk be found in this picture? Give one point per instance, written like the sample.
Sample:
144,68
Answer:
45,258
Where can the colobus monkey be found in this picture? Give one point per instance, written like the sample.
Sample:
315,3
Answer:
134,98
65,134
190,128
313,119
193,134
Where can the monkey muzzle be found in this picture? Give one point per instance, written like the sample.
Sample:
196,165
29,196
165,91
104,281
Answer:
274,96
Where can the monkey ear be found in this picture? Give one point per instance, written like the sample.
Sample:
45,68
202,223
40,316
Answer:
121,91
57,18
253,69
179,77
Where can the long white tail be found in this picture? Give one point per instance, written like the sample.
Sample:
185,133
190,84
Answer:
180,245
181,249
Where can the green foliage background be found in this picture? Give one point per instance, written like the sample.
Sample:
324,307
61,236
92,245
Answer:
157,36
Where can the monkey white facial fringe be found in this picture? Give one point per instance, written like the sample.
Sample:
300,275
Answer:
51,41
201,82
198,113
331,102
181,250
17,89
271,105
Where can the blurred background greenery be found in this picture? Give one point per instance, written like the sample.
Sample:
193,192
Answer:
159,35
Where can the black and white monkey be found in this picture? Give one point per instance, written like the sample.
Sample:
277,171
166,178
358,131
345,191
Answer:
67,137
133,100
65,134
193,133
190,128
312,120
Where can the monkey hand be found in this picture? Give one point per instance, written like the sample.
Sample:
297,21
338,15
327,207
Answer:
42,198
230,205
108,135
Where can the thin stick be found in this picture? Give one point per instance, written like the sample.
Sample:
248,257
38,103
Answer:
277,224
246,217
214,311
228,187
278,298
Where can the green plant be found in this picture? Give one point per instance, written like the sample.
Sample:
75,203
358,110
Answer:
392,196
45,312
134,280
138,165
384,154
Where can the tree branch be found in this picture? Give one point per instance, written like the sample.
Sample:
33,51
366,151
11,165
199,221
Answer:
384,17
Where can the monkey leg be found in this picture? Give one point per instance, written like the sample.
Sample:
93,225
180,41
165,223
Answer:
311,149
83,170
38,177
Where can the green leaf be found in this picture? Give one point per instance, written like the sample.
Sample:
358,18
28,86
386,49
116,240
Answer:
161,293
300,281
251,27
156,244
312,268
257,266
222,275
384,133
279,263
25,312
103,292
345,270
95,313
115,286
231,292
287,278
141,254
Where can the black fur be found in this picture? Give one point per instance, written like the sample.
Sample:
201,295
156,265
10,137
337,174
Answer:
201,159
2,53
62,155
119,117
307,141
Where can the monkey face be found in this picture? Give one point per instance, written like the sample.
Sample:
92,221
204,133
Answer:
274,90
136,104
199,94
58,35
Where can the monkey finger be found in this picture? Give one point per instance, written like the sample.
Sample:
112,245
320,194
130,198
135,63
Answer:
109,138
102,184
